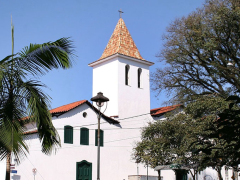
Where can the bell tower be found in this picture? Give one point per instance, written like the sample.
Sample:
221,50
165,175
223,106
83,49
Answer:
122,75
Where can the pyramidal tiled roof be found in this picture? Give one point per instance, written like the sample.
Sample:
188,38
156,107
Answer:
121,42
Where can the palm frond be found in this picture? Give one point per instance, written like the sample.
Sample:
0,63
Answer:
40,58
11,130
6,59
38,112
20,97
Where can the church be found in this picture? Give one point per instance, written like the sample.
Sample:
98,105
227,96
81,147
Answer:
122,75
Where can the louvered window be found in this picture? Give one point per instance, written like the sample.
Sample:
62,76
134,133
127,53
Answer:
84,136
68,134
101,137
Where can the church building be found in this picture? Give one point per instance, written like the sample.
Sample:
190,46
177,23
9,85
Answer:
122,75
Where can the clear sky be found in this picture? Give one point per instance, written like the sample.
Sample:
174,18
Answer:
90,24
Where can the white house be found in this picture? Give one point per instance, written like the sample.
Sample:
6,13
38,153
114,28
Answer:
123,76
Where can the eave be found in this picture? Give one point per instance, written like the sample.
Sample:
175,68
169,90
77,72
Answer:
99,61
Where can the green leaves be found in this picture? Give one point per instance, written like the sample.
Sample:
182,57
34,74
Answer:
228,130
160,143
197,50
40,58
38,112
187,138
21,97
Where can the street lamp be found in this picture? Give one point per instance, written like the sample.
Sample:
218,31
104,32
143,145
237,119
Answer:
99,99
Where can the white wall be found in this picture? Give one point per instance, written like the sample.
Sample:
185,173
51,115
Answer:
130,103
116,160
105,76
133,100
125,100
2,169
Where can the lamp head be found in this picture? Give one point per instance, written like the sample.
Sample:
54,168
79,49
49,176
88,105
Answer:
99,99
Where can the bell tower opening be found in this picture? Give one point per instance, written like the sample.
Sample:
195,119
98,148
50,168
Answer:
127,77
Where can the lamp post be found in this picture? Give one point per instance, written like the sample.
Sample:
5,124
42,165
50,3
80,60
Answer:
99,99
34,170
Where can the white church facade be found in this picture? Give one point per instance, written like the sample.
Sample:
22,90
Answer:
122,75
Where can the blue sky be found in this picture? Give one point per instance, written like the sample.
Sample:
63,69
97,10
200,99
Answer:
90,24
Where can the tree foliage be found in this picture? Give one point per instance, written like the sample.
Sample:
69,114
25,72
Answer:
181,138
197,51
228,133
202,56
21,97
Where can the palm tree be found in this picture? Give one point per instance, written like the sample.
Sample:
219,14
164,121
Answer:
22,96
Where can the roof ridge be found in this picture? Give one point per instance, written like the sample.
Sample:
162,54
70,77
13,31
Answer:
67,107
119,41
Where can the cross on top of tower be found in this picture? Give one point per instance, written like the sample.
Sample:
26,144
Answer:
120,13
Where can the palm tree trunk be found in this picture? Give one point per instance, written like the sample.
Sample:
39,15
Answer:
11,97
8,166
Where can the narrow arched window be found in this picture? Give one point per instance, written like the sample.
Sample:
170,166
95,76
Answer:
127,68
68,134
139,77
84,136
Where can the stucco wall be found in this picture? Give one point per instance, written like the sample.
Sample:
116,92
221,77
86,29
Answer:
116,160
105,76
133,101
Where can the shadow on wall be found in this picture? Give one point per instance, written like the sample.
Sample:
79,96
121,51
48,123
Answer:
16,177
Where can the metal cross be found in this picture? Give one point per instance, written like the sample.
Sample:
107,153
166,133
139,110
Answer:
120,13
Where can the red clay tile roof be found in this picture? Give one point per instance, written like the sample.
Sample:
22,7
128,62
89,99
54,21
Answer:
65,108
68,107
162,110
121,42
